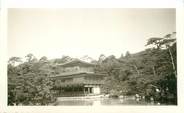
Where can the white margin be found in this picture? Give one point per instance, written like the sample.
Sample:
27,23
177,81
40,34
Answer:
86,4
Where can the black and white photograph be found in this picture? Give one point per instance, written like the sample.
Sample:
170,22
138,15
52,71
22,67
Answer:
92,57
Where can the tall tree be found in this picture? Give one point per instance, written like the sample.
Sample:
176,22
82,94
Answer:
30,57
13,60
30,83
166,42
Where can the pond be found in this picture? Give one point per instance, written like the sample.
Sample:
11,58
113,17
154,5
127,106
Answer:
67,101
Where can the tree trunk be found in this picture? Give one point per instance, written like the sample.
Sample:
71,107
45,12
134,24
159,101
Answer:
154,71
172,61
136,70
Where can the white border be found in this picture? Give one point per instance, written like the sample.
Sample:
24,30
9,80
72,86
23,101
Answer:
89,4
3,56
180,54
93,3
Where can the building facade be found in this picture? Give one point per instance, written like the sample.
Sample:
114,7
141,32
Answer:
77,78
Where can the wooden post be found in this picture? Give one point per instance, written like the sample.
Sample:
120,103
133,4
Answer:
88,90
72,91
84,91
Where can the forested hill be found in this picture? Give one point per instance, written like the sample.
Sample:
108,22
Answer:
150,73
136,73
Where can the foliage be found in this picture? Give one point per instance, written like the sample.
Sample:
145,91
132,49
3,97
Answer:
64,59
149,73
29,82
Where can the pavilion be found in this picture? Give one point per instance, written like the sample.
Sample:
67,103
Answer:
77,78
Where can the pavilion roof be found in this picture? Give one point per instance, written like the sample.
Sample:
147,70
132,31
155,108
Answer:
76,74
76,62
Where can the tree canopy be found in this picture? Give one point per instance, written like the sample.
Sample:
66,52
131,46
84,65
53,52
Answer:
150,73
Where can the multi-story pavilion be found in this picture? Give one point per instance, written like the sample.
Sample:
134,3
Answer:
77,78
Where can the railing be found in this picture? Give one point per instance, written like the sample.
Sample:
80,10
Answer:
82,82
93,82
73,72
70,94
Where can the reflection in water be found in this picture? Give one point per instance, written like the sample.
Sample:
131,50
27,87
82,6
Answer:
98,101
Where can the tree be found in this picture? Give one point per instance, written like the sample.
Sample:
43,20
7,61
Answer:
30,57
167,41
43,59
102,57
154,41
166,68
127,54
122,56
148,73
13,60
64,59
30,83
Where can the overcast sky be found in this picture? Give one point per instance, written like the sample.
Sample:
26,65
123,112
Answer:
79,32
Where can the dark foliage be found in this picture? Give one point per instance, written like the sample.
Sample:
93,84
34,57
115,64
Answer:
150,73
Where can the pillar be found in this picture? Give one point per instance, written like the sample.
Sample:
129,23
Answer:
88,90
84,90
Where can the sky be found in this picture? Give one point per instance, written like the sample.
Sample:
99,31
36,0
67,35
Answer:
78,32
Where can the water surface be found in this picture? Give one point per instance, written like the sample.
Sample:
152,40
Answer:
99,101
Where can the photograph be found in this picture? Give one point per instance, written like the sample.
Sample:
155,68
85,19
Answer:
91,57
